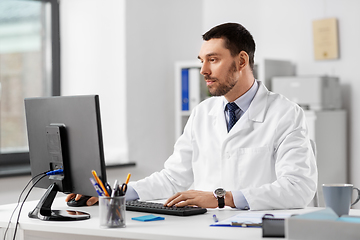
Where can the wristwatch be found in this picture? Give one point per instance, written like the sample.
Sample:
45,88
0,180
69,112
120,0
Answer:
220,196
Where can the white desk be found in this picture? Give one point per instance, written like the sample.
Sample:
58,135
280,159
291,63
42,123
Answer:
193,227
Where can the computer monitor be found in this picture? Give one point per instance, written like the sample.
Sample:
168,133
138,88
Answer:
64,133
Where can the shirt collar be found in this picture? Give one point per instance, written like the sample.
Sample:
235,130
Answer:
245,100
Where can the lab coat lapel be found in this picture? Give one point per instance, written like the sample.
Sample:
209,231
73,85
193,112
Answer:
218,116
255,113
243,123
258,106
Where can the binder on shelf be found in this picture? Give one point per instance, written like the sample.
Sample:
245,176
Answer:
198,90
194,87
185,89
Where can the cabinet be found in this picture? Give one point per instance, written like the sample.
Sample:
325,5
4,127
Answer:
328,130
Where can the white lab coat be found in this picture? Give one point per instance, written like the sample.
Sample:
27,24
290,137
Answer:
267,155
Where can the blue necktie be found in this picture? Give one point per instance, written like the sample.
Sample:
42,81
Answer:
232,107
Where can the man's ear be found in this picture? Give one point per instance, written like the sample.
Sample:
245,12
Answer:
243,59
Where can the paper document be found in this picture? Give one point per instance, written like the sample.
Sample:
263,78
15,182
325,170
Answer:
247,219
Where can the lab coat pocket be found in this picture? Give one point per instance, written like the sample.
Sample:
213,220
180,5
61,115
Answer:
252,151
251,166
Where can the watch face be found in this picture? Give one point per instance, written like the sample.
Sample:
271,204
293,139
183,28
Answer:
220,192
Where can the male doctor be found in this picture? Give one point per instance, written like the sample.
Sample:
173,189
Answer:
245,147
265,161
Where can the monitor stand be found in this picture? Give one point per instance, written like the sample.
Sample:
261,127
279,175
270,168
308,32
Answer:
43,209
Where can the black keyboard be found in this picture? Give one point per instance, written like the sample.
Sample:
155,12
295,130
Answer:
158,208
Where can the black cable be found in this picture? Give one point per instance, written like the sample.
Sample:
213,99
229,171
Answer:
22,204
7,228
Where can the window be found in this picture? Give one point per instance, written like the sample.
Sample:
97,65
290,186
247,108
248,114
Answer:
29,67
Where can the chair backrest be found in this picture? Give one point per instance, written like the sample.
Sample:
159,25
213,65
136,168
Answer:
315,200
313,146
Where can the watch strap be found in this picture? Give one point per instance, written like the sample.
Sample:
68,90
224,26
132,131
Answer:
221,202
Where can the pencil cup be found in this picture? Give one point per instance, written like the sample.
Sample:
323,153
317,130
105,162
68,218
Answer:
112,212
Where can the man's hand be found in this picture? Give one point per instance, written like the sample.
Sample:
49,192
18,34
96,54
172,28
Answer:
193,197
198,198
89,202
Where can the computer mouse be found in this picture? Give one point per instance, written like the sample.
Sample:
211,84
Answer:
79,203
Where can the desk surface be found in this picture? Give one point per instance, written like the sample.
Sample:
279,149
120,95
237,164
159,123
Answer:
193,227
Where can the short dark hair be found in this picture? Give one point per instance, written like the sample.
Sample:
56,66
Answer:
237,38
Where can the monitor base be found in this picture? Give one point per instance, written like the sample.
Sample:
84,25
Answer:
43,210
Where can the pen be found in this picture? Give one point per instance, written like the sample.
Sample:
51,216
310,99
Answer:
115,189
97,179
97,187
215,218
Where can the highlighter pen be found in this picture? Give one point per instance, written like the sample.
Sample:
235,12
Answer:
97,187
97,179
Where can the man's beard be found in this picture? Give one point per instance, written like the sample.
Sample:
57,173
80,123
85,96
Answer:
223,88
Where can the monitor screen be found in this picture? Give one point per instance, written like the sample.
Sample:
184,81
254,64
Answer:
65,133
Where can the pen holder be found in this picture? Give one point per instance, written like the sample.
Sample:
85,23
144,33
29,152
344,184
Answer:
112,212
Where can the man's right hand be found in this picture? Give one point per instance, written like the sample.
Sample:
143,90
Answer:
89,202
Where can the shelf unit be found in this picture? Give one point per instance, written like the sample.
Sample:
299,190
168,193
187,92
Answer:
197,92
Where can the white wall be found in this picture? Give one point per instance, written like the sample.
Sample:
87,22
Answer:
159,32
282,29
92,34
125,51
